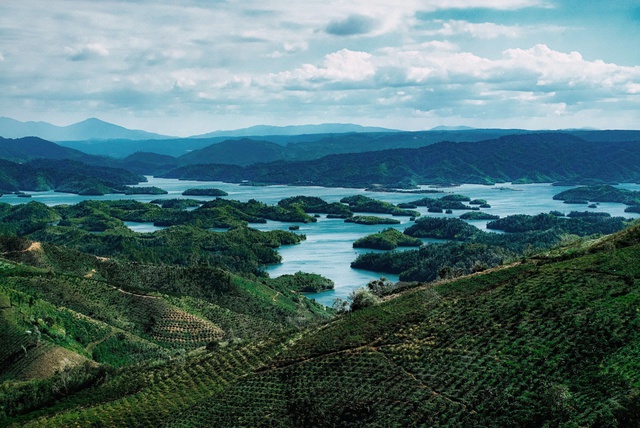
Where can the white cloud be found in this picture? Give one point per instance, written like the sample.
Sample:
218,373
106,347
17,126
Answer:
289,48
486,30
438,79
570,70
488,4
86,52
633,88
339,67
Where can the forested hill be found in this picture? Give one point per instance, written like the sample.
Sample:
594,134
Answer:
543,157
29,148
65,176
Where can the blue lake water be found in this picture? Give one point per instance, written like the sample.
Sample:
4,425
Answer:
328,248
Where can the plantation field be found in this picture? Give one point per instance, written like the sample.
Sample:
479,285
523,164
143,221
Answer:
552,340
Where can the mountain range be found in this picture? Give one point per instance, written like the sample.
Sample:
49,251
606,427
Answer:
96,129
266,130
535,157
387,160
89,129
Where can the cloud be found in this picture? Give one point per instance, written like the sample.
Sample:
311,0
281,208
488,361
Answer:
486,30
487,4
351,25
342,67
86,52
289,48
438,79
260,61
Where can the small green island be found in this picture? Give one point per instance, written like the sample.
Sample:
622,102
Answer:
371,220
478,215
388,239
303,282
149,190
447,202
205,192
364,204
603,193
441,228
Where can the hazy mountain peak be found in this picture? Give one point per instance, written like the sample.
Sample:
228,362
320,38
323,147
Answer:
451,128
88,129
267,130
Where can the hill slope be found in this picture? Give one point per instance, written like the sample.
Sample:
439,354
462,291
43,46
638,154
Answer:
236,152
551,341
64,175
29,148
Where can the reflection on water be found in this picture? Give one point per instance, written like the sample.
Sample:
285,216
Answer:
328,249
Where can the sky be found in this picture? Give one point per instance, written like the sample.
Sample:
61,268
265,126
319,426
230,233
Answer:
195,66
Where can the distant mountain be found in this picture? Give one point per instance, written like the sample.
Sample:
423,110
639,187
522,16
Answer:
266,130
539,157
451,128
120,148
310,146
90,129
236,152
147,163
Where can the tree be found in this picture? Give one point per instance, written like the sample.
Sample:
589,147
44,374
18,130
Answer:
362,298
381,287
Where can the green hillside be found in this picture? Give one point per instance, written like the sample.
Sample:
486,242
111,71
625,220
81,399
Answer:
65,176
552,340
69,321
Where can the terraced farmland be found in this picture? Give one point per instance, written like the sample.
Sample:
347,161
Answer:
548,341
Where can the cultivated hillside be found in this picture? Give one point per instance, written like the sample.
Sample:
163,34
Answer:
547,341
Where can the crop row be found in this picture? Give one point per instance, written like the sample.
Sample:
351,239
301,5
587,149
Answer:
168,389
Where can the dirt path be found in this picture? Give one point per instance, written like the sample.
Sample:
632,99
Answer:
35,246
136,295
91,346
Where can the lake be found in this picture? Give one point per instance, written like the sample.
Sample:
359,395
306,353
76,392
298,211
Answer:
328,249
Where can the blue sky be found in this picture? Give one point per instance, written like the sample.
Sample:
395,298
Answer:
195,66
